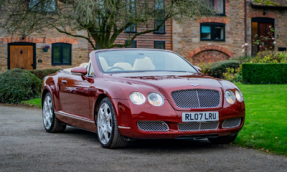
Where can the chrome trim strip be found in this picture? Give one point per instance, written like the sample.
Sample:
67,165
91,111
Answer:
121,127
73,116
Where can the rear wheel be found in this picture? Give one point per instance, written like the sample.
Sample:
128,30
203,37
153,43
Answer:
107,126
51,123
223,139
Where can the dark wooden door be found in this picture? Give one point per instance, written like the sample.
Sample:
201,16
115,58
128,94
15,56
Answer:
266,36
21,56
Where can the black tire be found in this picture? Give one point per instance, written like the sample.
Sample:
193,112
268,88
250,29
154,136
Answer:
116,140
56,125
223,139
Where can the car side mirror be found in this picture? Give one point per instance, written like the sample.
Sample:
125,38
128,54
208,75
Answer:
198,68
79,71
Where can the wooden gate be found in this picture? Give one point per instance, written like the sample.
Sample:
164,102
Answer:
21,56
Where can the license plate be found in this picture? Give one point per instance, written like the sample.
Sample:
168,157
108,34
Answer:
200,117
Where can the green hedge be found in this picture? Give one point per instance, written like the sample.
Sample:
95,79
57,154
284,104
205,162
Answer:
218,68
264,73
41,73
17,85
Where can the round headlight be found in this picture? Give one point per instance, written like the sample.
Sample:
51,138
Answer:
229,96
137,98
238,95
155,99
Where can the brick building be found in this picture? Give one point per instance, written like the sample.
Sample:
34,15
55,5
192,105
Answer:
208,39
221,37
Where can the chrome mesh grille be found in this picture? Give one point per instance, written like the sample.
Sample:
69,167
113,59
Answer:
231,123
196,98
152,126
198,126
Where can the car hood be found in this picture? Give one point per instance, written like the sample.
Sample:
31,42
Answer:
167,82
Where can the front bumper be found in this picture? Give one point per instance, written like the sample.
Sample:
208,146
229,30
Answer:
129,114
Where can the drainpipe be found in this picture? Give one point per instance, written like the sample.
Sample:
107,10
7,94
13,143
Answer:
245,26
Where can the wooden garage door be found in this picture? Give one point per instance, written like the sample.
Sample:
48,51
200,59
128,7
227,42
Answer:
21,56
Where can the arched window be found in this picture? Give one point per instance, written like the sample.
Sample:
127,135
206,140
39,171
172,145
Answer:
61,54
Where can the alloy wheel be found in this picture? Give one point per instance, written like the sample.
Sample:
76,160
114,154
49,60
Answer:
47,112
104,123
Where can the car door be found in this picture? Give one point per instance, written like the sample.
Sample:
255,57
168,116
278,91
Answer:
74,94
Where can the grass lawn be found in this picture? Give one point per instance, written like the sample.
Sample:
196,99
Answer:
33,102
265,126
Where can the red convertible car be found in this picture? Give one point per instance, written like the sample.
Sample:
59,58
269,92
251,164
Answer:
128,94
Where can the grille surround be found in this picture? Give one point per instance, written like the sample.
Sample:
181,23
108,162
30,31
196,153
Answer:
231,123
198,126
152,126
196,98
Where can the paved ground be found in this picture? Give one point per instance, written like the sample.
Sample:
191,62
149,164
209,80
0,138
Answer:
25,146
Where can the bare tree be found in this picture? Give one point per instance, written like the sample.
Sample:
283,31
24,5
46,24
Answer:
103,20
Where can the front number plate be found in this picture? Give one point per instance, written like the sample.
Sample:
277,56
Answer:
200,117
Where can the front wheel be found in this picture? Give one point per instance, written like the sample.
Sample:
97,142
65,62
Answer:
107,126
223,139
51,123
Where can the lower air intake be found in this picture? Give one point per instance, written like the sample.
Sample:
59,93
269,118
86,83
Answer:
198,126
152,126
231,123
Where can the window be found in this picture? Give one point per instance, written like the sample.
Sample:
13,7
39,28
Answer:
219,6
131,13
212,32
133,45
141,60
61,54
40,5
159,44
281,48
90,69
159,15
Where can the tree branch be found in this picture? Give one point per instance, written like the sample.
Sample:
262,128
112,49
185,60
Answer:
140,33
77,36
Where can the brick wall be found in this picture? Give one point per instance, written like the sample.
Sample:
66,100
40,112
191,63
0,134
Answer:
79,48
186,36
147,40
280,24
209,56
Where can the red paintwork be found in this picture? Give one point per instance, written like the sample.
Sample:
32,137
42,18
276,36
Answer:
80,70
78,96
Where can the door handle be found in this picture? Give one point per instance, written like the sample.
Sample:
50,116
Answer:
64,82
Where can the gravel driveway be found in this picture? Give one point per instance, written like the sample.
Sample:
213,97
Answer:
25,146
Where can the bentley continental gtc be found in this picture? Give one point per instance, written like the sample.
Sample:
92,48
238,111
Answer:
129,94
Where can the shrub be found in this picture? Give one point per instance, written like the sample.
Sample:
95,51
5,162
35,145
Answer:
270,57
233,75
41,73
264,73
243,59
17,85
206,68
218,68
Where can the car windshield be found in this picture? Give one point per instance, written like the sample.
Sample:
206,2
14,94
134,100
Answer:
141,61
